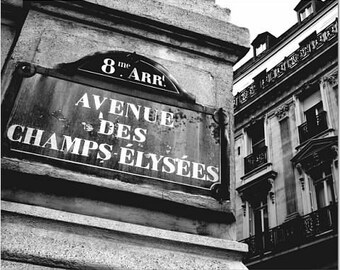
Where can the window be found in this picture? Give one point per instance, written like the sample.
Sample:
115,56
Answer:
323,183
259,222
314,117
311,97
259,49
256,135
257,149
306,12
259,217
311,115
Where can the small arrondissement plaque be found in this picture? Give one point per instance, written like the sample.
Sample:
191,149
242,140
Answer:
113,132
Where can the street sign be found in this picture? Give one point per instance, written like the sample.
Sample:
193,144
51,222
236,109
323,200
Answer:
114,133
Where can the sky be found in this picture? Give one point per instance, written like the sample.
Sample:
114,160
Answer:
274,16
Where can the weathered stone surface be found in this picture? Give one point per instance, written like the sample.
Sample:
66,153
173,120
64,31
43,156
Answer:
7,37
29,167
60,189
81,241
50,42
172,14
13,265
206,7
199,52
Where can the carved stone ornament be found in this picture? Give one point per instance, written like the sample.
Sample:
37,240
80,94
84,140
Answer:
282,112
331,79
299,168
271,192
302,181
272,196
244,207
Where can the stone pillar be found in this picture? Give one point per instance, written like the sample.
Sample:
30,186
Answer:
57,216
287,154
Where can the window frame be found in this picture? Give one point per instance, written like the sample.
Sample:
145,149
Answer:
307,11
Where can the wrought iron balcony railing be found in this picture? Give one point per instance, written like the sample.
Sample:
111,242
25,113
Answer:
310,129
293,233
287,65
256,159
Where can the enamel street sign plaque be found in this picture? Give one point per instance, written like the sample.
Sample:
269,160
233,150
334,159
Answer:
113,133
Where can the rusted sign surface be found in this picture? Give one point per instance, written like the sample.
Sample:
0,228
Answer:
109,133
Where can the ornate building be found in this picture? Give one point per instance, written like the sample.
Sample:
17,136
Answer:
286,143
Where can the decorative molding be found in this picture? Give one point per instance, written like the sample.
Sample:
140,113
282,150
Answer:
282,112
271,192
302,181
258,188
272,196
289,63
244,207
330,79
299,168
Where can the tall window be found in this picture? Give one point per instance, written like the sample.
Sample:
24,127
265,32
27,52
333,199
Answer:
259,217
323,183
311,115
258,222
257,150
314,117
256,134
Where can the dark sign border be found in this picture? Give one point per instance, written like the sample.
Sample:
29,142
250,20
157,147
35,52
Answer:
219,190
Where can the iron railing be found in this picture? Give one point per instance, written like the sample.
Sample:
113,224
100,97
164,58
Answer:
310,129
287,65
294,233
256,159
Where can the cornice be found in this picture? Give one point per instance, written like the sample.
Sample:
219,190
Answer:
284,42
289,65
287,98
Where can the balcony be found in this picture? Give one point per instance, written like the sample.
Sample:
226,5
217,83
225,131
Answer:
310,129
294,233
288,65
256,159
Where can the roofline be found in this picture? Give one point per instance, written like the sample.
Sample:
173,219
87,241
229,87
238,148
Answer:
282,40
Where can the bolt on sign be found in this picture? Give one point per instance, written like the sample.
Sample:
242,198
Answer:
117,115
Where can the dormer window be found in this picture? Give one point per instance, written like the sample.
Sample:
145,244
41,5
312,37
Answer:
262,47
305,8
308,10
263,42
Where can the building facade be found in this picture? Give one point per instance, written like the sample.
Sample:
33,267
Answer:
116,135
286,144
